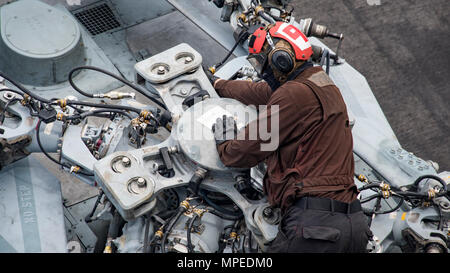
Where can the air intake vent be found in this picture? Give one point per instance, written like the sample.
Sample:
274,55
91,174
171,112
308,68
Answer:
98,19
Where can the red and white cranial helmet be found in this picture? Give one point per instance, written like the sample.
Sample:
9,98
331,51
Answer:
288,32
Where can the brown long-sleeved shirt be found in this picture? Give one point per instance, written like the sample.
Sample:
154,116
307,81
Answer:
315,152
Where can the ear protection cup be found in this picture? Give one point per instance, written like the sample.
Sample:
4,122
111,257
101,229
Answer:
282,61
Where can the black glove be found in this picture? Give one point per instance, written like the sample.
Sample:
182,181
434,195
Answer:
210,76
224,129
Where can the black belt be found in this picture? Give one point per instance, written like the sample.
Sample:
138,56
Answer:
326,204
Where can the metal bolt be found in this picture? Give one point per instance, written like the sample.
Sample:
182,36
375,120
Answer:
187,60
161,70
392,151
126,161
141,182
183,91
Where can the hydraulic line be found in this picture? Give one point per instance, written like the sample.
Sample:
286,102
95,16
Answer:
97,111
239,40
123,80
434,177
97,105
225,216
189,230
23,89
146,234
218,207
172,223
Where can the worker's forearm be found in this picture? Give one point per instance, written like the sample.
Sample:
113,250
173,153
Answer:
248,93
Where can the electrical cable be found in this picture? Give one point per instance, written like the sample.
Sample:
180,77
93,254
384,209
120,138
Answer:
121,79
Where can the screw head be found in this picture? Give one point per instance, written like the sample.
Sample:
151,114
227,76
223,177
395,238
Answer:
161,70
126,161
141,182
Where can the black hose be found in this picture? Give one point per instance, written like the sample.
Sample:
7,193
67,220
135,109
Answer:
12,90
107,106
434,177
172,223
93,113
367,199
241,38
400,203
22,88
89,217
189,230
146,235
225,216
217,207
266,17
123,80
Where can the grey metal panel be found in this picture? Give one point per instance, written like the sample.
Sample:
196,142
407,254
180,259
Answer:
140,10
30,209
157,35
206,16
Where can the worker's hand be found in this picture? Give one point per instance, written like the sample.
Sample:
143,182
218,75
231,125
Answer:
212,79
224,129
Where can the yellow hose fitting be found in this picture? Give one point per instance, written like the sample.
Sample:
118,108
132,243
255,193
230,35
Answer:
212,69
386,194
185,204
74,169
243,17
431,194
108,249
159,233
145,114
258,9
60,116
233,235
25,100
62,103
362,178
199,212
385,186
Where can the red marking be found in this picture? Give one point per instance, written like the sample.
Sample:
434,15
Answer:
292,32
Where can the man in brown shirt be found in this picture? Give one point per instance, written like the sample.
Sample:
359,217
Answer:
310,174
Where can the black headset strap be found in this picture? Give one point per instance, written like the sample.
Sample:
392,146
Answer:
299,70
